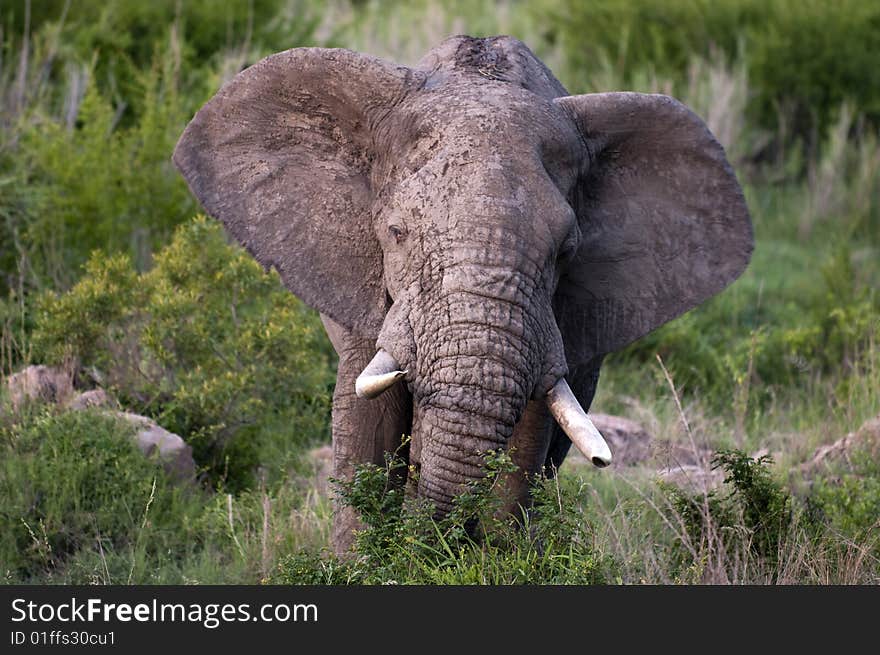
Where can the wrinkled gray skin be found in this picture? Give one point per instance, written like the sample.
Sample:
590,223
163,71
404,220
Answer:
491,232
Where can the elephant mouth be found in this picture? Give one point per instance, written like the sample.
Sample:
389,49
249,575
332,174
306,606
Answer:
383,372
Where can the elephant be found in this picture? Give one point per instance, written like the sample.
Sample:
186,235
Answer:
475,239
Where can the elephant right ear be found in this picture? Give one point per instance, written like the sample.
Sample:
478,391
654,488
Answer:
282,156
663,221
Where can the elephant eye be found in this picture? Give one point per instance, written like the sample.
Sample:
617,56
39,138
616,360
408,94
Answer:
569,247
398,233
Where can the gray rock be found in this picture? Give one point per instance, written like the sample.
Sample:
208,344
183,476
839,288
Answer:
866,439
692,477
92,398
174,453
47,384
630,443
685,466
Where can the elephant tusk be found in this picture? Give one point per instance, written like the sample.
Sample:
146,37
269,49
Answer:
577,425
381,374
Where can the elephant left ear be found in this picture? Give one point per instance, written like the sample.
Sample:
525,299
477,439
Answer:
663,221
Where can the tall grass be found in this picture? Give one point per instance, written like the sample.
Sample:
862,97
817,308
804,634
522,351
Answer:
693,532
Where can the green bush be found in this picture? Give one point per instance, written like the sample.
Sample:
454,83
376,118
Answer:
75,486
86,140
750,520
205,342
848,501
804,58
476,543
95,184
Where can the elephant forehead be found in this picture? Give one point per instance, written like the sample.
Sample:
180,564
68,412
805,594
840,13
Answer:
473,183
485,191
506,129
479,104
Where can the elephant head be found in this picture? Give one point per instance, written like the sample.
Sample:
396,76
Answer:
489,233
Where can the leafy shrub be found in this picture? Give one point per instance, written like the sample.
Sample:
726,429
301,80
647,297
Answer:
208,344
91,108
94,184
75,485
765,506
103,186
476,543
750,520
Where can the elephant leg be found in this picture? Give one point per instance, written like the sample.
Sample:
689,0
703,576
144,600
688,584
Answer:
538,444
363,430
529,446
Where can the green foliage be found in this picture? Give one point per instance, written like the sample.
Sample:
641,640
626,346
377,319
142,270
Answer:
764,504
751,518
74,484
130,199
810,57
207,343
82,505
86,140
805,57
476,543
16,323
848,502
309,567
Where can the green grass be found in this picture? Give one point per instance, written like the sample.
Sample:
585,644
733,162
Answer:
82,506
400,543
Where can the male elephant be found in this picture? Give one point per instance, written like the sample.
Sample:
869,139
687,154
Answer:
469,229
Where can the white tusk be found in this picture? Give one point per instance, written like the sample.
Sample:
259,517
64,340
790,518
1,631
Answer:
577,425
381,374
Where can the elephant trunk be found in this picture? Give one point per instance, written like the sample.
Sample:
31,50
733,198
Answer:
472,392
455,441
480,364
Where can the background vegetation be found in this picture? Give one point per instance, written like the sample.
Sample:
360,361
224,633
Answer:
104,269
